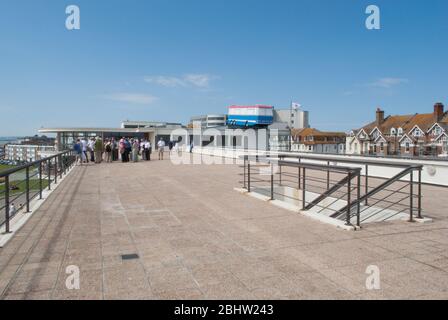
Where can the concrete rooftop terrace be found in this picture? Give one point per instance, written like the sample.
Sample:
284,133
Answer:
197,238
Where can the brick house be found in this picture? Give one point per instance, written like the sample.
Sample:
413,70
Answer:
315,141
406,135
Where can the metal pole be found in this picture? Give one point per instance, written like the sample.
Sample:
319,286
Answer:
55,170
49,173
280,172
349,200
40,180
420,193
64,163
61,165
411,197
367,183
27,181
328,176
299,173
272,181
244,172
248,176
358,196
303,189
7,204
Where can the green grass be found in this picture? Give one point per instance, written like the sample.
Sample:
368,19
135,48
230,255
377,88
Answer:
34,185
4,167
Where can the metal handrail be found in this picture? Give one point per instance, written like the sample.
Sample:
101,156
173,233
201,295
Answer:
352,161
302,178
333,187
62,161
381,187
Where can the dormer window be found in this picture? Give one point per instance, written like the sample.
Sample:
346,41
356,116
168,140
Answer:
393,131
400,132
417,133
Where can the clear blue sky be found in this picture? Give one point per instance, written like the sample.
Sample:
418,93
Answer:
168,60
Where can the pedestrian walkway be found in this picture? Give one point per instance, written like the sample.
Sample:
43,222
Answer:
196,238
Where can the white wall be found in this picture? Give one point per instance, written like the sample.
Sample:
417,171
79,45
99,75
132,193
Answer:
434,172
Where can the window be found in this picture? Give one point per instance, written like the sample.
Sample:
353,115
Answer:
382,146
407,148
417,133
310,148
393,131
400,131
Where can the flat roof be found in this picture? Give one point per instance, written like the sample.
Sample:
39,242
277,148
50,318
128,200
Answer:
119,130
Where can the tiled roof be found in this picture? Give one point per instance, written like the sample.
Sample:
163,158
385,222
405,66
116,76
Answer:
316,133
407,122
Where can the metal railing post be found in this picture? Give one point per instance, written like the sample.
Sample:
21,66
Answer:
55,170
248,176
244,172
358,196
49,173
328,176
272,181
27,183
64,164
280,173
299,174
411,196
367,184
7,204
303,189
420,193
40,180
349,199
61,165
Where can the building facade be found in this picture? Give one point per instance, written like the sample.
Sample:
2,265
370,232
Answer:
26,152
316,141
209,120
402,135
295,118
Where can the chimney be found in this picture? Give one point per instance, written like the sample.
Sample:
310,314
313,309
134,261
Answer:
438,111
379,117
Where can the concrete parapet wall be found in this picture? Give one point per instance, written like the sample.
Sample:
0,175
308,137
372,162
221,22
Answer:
434,172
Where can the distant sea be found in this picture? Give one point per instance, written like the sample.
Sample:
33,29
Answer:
5,140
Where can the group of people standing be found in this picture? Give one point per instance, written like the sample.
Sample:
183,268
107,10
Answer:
131,149
126,150
89,150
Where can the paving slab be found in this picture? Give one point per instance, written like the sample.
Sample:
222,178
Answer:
196,238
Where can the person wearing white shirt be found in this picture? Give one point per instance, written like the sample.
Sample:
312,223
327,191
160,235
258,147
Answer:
161,147
91,146
142,149
84,145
